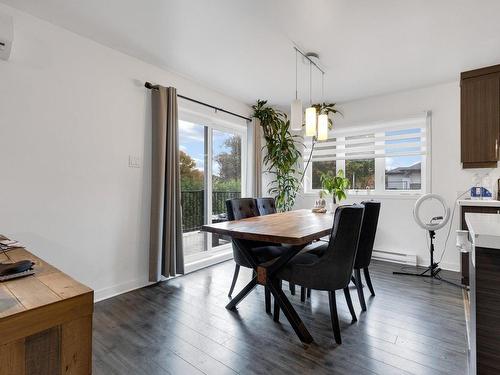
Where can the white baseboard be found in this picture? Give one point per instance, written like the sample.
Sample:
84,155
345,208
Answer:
401,258
102,294
112,291
410,259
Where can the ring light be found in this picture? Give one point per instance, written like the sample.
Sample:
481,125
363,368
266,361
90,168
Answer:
435,223
431,225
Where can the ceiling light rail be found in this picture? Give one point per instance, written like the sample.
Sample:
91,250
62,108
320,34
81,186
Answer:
308,56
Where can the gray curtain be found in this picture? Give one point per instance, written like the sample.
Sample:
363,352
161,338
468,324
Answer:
257,152
165,248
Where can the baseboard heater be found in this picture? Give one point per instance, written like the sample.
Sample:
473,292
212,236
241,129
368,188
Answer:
409,259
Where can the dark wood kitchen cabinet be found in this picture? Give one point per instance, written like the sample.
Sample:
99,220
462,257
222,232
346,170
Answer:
480,117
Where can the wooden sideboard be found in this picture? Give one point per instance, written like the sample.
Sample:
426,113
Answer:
45,322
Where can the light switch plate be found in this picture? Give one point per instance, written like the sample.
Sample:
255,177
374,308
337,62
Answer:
134,161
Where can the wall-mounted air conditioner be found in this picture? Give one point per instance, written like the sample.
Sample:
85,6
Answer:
6,36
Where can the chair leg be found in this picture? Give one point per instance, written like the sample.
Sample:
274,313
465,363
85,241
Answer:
359,287
302,294
235,277
353,280
268,299
368,280
292,288
308,292
348,299
335,318
276,315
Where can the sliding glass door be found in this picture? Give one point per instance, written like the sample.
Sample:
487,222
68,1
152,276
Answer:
212,171
226,177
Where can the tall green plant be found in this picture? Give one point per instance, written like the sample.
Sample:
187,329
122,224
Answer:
282,156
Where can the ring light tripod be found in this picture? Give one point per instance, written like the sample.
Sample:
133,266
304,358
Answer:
435,224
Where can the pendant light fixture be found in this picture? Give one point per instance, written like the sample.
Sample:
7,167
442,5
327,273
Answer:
311,111
322,118
296,107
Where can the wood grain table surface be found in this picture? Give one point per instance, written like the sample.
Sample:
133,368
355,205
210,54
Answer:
297,227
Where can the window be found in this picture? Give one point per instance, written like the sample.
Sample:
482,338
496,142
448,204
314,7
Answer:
388,157
320,167
212,170
360,172
403,172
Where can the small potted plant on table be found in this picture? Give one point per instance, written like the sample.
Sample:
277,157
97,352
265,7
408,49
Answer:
336,185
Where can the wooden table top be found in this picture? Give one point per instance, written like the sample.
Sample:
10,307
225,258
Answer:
48,285
298,227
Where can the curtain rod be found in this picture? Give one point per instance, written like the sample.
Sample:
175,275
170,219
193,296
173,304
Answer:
150,86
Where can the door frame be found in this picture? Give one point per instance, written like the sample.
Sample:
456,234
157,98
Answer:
210,123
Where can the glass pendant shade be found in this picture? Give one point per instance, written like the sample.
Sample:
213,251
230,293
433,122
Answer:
296,115
310,122
322,127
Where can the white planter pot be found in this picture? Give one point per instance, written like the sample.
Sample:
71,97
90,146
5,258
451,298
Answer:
332,207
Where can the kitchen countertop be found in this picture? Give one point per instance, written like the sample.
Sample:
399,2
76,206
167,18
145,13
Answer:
479,202
484,229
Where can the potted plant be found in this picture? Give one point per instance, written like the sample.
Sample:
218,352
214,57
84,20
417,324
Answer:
282,157
336,185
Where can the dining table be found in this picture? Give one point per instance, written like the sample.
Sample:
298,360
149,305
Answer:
296,229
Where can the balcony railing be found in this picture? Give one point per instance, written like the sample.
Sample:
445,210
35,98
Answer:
193,203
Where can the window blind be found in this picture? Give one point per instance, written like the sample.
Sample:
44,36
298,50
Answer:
405,137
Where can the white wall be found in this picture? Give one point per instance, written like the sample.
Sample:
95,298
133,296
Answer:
397,230
71,112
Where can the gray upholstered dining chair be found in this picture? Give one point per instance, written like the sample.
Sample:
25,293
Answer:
267,206
331,271
365,249
242,208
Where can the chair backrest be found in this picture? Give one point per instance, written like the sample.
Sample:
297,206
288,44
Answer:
266,206
367,235
241,208
237,209
337,264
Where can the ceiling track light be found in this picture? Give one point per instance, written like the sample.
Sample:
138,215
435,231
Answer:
311,111
322,118
316,124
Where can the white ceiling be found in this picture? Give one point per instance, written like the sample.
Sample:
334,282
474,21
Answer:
244,48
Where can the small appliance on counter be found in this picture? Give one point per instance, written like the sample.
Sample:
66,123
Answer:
482,187
480,192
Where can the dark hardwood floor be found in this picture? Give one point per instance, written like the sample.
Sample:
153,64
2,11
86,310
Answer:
181,327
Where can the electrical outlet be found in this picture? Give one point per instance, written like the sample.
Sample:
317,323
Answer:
134,161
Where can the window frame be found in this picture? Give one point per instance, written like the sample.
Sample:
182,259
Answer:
378,128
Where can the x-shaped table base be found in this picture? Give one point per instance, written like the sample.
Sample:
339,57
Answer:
266,275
